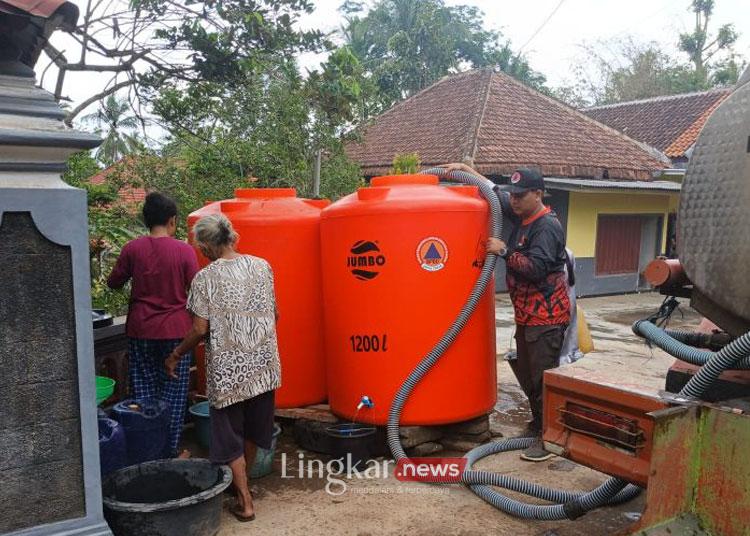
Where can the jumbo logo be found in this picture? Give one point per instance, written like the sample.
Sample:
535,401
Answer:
365,260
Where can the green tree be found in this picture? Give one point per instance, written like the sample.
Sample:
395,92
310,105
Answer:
406,45
114,122
701,47
336,89
405,163
143,44
625,70
79,168
262,133
110,227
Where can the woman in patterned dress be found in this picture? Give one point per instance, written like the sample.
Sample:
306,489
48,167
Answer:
234,308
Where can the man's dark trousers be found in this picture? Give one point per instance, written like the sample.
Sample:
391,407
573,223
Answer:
538,350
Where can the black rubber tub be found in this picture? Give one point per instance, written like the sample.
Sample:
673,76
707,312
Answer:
353,441
166,498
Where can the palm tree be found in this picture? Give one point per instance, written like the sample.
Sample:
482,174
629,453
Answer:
114,122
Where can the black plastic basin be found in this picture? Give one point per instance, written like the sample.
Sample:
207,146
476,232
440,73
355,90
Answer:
355,440
166,498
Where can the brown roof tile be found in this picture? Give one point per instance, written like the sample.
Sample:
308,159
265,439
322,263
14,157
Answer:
129,193
500,124
38,8
670,124
684,141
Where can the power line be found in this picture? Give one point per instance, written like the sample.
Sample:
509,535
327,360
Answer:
541,27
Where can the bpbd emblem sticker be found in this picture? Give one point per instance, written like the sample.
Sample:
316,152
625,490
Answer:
365,260
432,254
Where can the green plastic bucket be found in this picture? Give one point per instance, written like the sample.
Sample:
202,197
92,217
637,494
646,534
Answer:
263,457
104,388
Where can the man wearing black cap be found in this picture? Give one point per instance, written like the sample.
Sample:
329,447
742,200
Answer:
535,259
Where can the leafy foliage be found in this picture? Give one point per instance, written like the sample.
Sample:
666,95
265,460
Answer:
117,125
701,47
406,45
110,226
406,163
264,133
624,69
229,39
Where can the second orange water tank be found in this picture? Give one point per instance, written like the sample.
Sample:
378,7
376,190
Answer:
273,223
399,260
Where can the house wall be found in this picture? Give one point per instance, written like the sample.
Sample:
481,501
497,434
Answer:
579,213
674,203
583,212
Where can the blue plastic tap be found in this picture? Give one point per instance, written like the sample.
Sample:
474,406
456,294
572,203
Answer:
365,402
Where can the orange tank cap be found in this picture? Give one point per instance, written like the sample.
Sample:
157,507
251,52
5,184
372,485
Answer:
233,206
372,194
393,180
264,193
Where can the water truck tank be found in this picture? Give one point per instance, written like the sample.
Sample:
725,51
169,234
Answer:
713,226
273,223
399,259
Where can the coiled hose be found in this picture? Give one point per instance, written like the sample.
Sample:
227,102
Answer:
735,355
570,505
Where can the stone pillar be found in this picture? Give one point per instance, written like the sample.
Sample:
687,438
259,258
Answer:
49,456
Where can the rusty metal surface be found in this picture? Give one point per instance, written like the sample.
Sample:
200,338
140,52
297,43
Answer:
692,459
663,271
621,443
699,472
723,501
673,473
712,237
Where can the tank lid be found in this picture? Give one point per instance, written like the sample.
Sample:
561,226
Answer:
264,193
393,180
233,205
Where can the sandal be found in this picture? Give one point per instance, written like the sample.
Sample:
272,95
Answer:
238,515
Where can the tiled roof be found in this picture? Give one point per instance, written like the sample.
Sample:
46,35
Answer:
500,124
671,124
42,8
128,194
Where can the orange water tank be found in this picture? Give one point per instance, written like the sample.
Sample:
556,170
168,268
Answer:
399,260
273,223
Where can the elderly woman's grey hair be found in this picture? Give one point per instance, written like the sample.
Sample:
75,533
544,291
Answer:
215,231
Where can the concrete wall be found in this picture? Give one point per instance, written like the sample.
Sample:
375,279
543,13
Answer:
41,467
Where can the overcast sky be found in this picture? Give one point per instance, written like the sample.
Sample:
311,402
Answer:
551,47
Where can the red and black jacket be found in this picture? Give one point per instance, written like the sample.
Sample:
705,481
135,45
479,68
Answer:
535,265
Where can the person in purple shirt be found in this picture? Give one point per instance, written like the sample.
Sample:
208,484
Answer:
161,269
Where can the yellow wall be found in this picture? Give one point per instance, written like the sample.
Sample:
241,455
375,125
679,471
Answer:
584,208
674,203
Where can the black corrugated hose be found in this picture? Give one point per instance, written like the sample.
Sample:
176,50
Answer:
568,505
735,355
